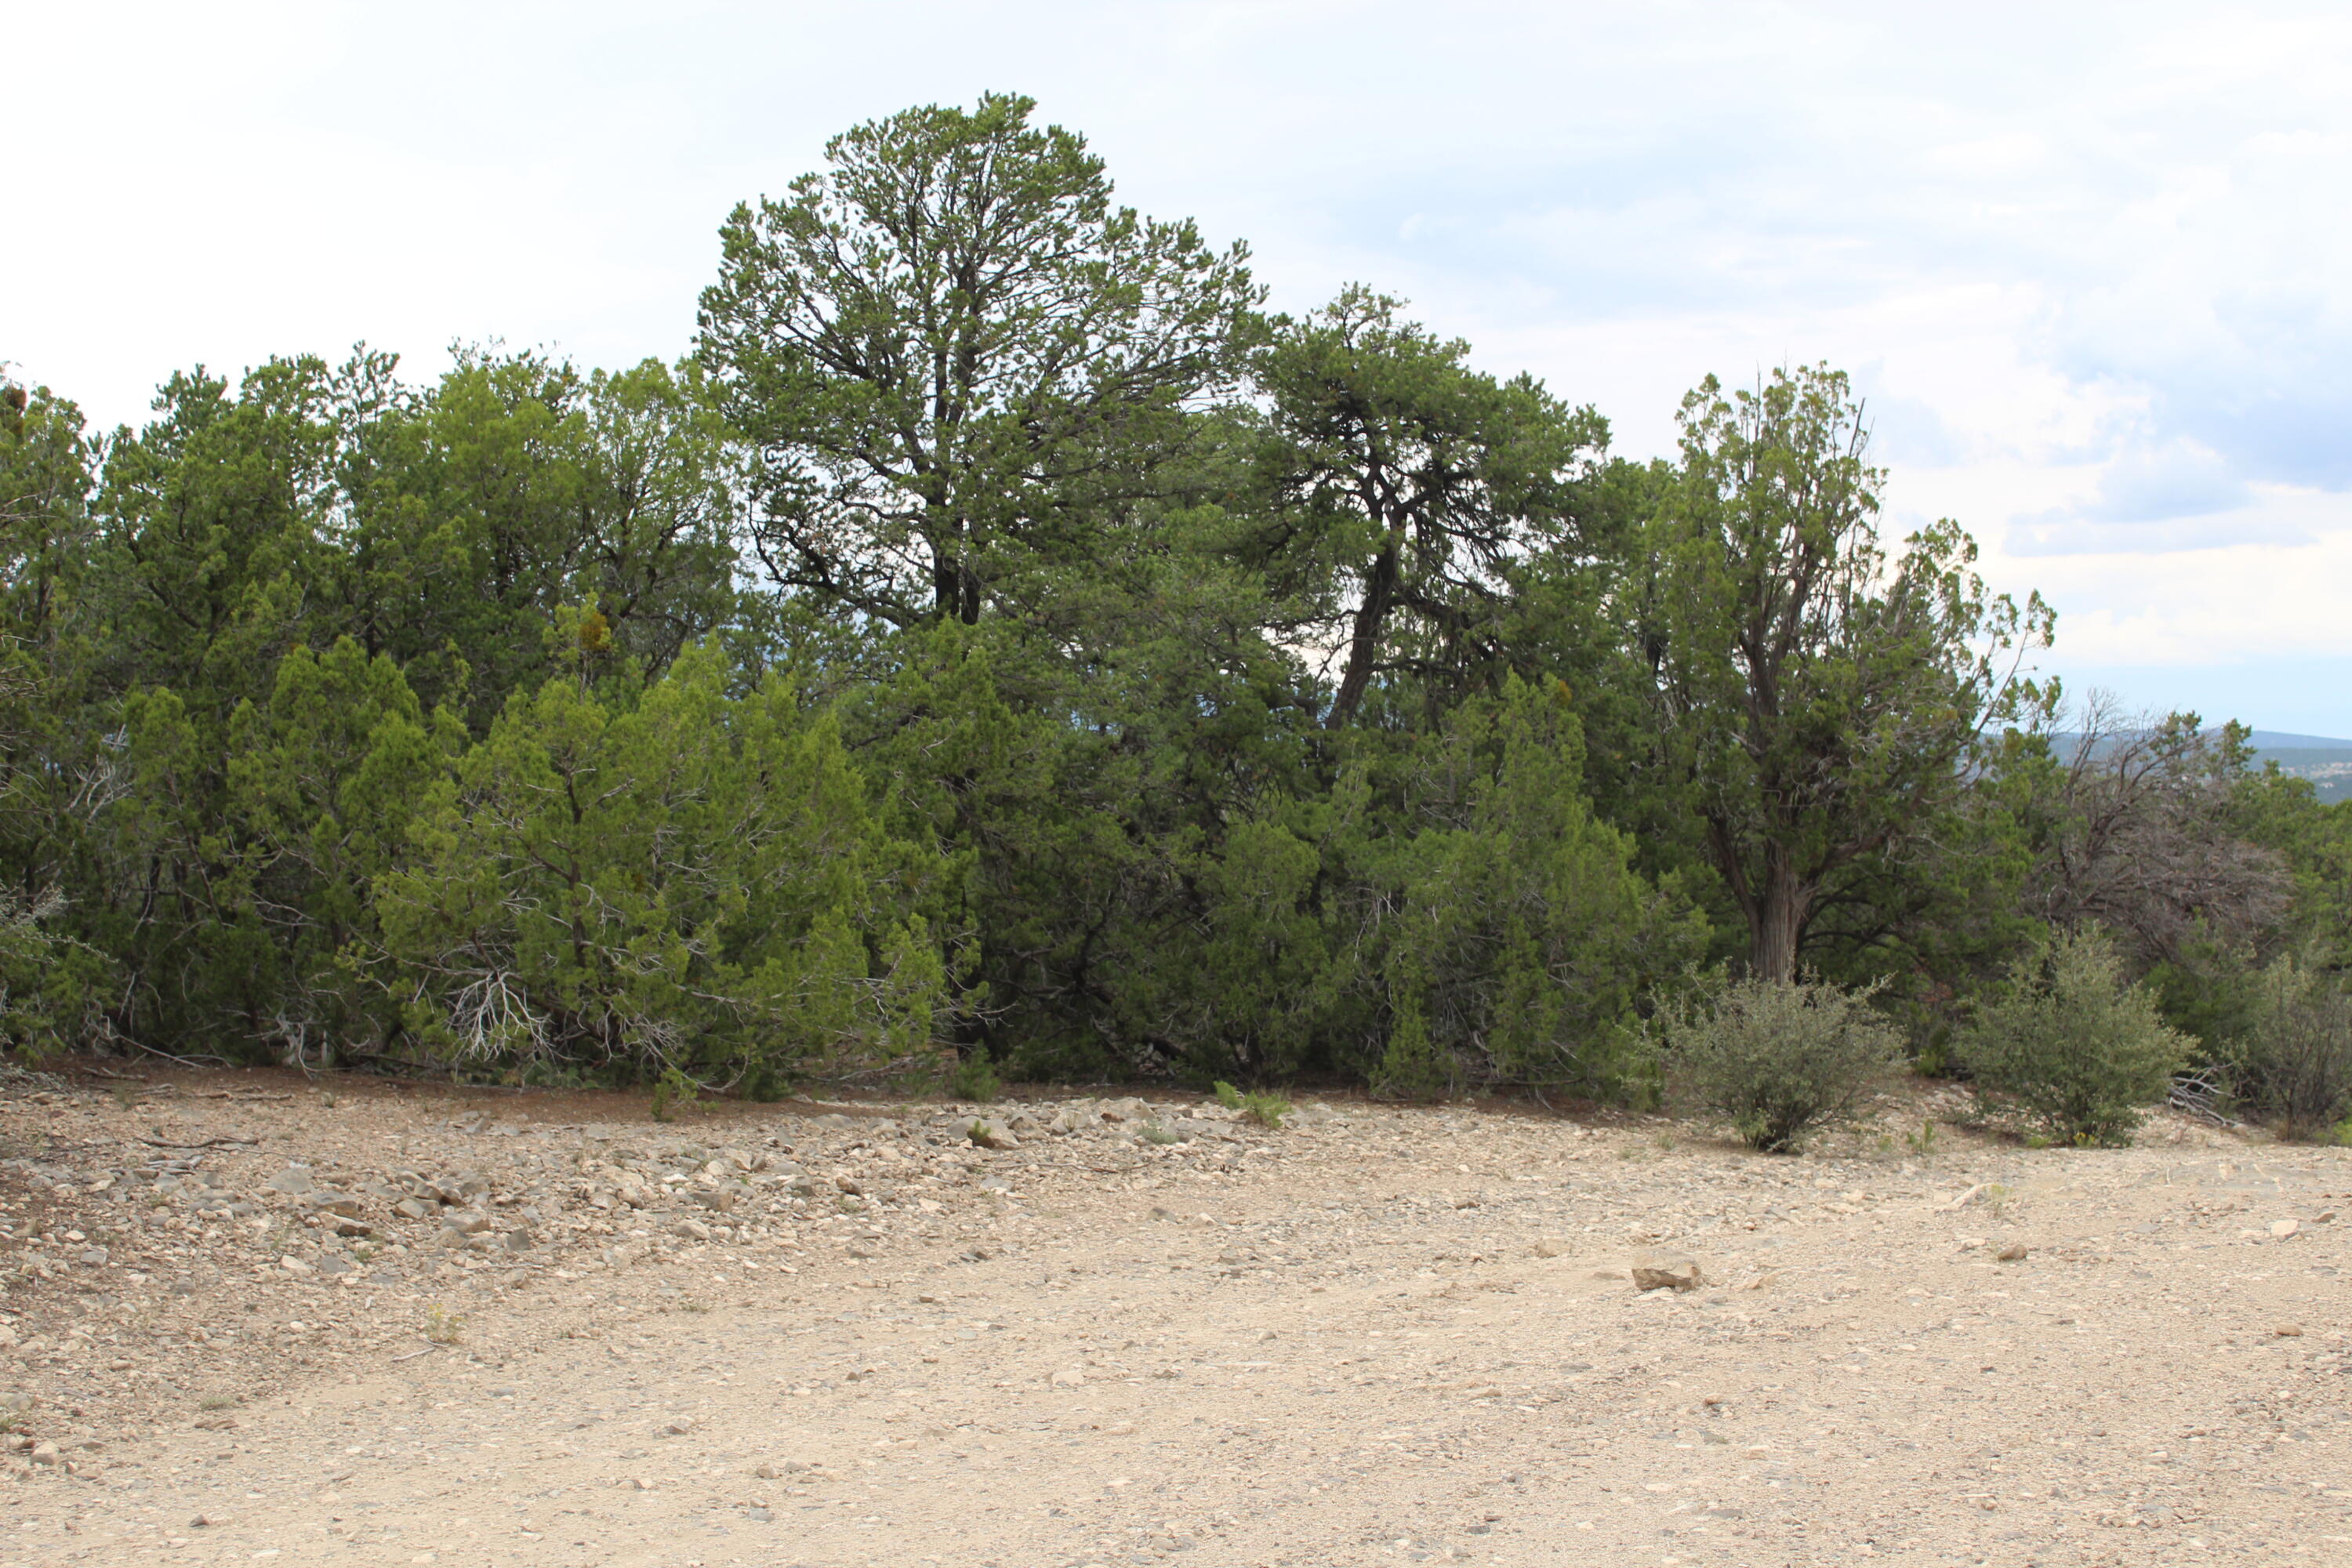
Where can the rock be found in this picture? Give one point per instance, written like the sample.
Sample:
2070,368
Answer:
469,1222
1068,1377
335,1203
46,1453
343,1227
1551,1247
518,1241
990,1133
2289,1330
331,1264
415,1209
2282,1229
2013,1252
294,1179
1128,1109
94,1257
1668,1271
693,1228
679,1427
851,1185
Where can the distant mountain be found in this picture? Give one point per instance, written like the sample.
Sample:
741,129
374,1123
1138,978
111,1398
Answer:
2279,741
2326,763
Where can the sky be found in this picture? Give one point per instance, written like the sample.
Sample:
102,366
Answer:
2091,265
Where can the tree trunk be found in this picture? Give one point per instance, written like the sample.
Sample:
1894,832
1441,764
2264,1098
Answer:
1364,641
1776,926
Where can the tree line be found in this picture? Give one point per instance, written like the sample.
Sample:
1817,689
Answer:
1001,638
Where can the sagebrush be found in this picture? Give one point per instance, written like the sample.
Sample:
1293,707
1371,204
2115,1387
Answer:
1778,1059
2072,1042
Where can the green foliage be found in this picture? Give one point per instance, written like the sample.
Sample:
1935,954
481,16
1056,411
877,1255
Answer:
1001,641
1041,341
684,878
1816,693
974,1078
1779,1058
2292,1067
1523,935
2073,1042
671,1090
1265,1109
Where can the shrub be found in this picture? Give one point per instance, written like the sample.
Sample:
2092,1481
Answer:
974,1078
672,1089
1265,1110
1778,1059
2075,1045
2292,1067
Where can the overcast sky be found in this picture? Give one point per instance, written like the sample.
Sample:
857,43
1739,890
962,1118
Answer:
2092,264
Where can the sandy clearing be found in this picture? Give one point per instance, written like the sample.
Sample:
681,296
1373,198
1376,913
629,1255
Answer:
1401,1336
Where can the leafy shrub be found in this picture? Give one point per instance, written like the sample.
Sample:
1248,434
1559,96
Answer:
1265,1110
2293,1065
2075,1045
672,1089
974,1078
1777,1059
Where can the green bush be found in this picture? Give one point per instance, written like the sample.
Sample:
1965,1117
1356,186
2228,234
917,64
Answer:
2075,1045
1265,1110
974,1078
2292,1067
1778,1059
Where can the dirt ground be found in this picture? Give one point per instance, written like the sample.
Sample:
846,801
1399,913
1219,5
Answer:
256,1319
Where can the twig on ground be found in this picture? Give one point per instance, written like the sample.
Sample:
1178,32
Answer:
208,1143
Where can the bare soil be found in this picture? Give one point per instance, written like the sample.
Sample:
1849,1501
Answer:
1161,1335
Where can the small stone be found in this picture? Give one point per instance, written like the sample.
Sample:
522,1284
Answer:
1068,1377
1551,1247
1668,1271
2282,1229
343,1225
849,1185
678,1427
294,1179
693,1228
2012,1252
415,1209
2289,1330
46,1453
469,1222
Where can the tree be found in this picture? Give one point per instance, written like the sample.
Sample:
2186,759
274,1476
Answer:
683,879
1816,698
1405,486
956,355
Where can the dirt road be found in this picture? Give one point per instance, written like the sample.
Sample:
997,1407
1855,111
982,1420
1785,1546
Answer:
845,1336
